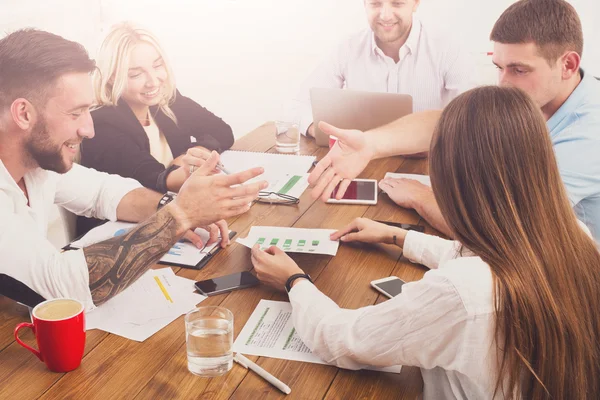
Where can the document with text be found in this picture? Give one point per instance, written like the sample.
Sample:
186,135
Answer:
270,332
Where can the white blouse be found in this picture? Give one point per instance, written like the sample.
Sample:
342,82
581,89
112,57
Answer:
443,323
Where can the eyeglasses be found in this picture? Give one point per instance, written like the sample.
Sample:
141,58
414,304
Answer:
276,198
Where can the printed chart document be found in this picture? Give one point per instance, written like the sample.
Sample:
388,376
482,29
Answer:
269,332
284,173
152,302
292,240
182,253
424,179
290,184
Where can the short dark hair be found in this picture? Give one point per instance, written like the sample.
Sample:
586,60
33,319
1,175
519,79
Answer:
553,25
31,61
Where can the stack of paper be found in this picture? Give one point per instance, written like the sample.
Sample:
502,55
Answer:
152,302
292,240
270,332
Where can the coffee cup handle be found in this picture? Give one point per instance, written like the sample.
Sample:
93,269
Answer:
27,325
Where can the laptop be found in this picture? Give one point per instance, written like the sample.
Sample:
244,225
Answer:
354,109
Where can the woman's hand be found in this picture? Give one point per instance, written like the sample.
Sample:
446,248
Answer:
273,266
195,158
369,231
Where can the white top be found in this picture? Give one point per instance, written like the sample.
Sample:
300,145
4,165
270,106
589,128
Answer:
443,323
159,147
433,69
27,255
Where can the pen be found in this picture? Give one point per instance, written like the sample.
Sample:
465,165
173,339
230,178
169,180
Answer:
248,364
221,168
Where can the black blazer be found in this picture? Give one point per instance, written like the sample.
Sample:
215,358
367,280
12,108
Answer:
120,145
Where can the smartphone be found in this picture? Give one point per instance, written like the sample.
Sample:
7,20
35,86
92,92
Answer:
222,284
360,191
408,227
390,286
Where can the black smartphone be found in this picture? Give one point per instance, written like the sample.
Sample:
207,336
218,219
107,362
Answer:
408,227
222,284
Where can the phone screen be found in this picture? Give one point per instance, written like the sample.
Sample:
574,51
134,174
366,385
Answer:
227,283
392,287
358,190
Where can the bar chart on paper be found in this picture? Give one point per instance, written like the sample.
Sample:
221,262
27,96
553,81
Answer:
292,240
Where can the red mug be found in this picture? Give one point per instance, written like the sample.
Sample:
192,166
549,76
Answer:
59,329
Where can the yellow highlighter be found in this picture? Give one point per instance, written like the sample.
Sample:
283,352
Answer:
163,289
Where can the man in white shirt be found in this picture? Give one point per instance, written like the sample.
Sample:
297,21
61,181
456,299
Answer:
45,96
541,56
398,54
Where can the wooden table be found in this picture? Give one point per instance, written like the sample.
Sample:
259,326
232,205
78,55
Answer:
117,368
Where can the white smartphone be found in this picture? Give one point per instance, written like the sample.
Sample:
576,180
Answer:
360,191
390,286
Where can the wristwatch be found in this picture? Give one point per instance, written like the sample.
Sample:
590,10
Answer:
291,279
166,199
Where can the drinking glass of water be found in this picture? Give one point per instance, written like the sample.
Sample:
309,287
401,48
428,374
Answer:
209,338
287,137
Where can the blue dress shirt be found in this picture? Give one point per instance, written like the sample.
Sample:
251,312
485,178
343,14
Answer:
575,134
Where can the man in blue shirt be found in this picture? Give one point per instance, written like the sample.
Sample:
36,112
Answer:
537,48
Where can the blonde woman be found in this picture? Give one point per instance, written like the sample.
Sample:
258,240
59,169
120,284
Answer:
144,126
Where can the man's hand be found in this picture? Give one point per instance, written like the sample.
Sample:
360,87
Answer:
215,230
345,161
273,266
203,200
406,193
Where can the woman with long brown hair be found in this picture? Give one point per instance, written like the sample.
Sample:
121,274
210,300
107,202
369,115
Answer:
509,309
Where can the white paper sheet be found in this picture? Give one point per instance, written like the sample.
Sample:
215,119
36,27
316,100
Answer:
146,306
269,332
181,253
290,184
292,240
424,179
277,166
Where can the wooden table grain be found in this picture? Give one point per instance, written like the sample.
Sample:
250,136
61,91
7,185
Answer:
117,368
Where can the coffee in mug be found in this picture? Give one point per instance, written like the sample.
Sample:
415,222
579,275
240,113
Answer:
59,329
58,309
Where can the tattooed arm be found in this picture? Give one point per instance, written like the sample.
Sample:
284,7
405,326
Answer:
117,262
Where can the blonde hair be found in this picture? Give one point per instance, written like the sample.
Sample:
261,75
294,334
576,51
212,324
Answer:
110,79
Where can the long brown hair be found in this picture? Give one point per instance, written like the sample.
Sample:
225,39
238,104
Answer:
496,181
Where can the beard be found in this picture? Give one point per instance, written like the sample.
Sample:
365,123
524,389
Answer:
44,152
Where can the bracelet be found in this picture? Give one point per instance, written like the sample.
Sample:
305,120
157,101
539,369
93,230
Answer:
291,279
166,199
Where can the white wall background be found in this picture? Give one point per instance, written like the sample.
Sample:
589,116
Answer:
243,59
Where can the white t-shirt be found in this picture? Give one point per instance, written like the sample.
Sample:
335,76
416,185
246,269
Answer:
27,254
